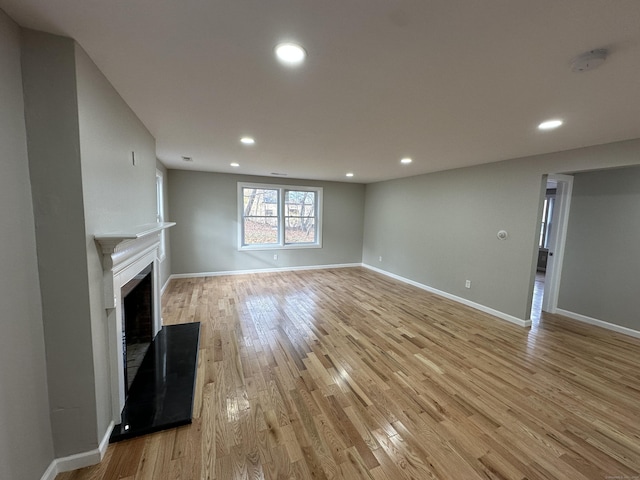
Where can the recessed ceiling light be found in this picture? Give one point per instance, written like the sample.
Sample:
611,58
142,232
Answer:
406,161
234,164
290,53
349,174
550,124
247,140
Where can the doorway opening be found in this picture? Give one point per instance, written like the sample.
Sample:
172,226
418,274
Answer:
544,240
555,202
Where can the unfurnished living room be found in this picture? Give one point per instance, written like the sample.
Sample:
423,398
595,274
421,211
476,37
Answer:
320,239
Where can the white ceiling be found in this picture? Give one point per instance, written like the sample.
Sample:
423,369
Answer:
449,83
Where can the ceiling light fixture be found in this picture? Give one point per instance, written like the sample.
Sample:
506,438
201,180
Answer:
290,54
234,164
349,174
550,124
247,141
406,161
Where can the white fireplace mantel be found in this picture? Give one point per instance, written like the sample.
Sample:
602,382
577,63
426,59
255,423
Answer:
120,249
124,255
117,246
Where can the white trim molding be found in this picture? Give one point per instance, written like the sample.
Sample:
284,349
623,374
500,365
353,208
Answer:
79,460
263,270
455,298
599,323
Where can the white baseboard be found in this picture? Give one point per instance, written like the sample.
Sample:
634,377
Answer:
464,301
51,472
263,270
79,460
164,287
598,323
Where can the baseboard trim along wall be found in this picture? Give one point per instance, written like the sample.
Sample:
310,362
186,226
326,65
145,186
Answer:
598,323
263,270
79,460
455,298
464,301
164,287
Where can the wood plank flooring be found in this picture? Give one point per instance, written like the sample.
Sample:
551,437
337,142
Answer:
347,374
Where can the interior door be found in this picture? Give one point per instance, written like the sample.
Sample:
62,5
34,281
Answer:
557,239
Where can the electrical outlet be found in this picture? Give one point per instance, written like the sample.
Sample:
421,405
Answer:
380,258
467,284
275,256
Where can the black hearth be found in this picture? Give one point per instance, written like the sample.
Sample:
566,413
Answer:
162,393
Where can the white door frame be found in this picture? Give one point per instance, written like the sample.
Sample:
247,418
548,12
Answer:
557,240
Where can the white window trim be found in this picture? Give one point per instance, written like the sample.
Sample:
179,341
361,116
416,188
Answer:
162,252
281,216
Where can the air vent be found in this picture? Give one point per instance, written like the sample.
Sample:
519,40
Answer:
187,159
276,174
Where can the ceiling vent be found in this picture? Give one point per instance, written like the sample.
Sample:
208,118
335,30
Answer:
589,60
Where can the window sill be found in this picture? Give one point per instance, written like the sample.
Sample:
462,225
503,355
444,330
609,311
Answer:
253,248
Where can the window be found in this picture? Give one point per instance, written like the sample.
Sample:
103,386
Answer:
279,216
160,211
547,213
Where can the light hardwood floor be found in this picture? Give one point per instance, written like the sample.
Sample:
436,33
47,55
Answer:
348,374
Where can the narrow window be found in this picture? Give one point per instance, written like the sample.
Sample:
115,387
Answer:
160,211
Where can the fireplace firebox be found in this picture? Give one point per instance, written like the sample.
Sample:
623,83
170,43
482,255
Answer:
137,313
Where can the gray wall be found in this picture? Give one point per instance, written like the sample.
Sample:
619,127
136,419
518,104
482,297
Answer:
48,64
440,229
116,195
602,256
205,239
26,445
80,138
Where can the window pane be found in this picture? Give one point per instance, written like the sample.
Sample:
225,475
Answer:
260,230
260,216
300,230
300,198
260,202
300,221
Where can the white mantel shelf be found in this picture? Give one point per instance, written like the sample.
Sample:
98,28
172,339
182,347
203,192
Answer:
121,248
109,242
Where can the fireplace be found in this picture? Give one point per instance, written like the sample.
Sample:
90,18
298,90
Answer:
137,312
129,261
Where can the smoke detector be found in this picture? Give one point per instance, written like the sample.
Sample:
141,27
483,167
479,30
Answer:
589,60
